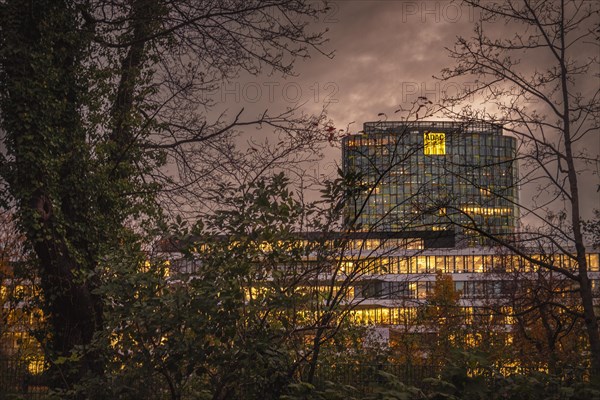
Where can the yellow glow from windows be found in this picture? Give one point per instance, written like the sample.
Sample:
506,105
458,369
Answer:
254,292
346,266
472,339
383,315
265,247
36,367
593,262
486,210
435,143
145,267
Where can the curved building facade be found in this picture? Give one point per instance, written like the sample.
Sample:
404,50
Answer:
433,175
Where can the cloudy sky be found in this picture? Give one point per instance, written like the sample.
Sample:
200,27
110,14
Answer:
386,55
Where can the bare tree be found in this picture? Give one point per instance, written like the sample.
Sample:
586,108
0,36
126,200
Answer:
540,307
542,85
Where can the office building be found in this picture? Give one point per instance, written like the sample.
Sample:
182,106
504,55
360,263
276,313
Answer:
433,175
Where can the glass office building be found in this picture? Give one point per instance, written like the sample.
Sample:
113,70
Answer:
433,175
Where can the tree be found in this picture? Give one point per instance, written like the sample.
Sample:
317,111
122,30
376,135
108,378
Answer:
545,331
530,314
442,318
96,98
537,83
258,295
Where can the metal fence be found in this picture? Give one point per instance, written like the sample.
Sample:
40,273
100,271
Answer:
364,376
17,382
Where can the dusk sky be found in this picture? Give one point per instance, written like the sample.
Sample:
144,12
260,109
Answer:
386,54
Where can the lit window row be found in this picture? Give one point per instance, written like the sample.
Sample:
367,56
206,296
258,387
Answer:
486,210
452,264
470,289
416,316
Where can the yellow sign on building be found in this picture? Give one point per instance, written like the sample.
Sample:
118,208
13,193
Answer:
435,143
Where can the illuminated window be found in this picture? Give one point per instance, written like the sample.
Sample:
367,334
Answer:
435,143
36,367
593,262
346,266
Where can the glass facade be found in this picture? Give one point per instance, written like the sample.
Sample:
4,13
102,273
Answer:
433,176
394,287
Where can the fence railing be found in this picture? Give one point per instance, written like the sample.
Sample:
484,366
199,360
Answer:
17,380
363,376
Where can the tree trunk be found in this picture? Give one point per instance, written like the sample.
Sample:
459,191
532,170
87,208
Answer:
42,95
585,290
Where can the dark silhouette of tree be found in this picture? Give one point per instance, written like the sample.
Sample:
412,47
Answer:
541,84
97,97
